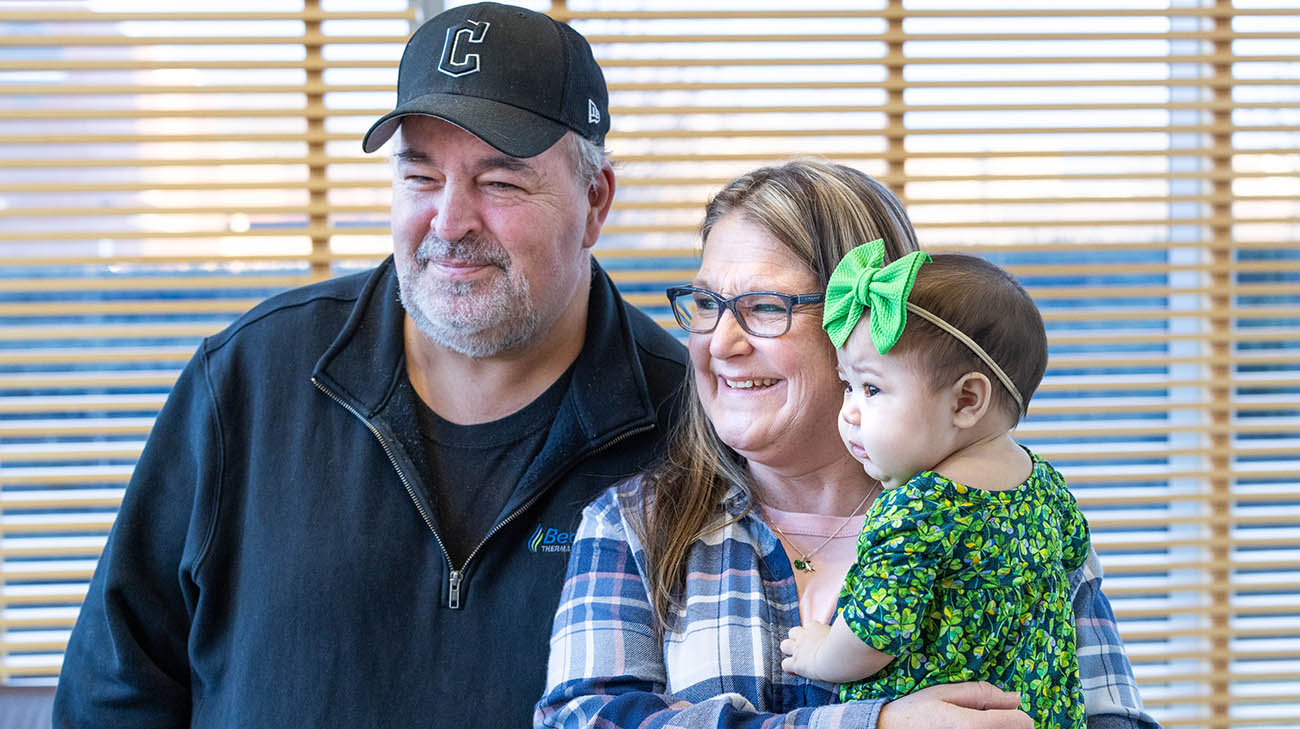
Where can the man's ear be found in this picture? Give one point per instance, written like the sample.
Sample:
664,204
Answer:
972,399
600,196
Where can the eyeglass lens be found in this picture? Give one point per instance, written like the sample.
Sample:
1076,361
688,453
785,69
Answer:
761,314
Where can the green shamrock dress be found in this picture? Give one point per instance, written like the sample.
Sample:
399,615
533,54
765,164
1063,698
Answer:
960,584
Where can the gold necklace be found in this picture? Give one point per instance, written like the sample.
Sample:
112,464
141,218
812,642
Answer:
804,562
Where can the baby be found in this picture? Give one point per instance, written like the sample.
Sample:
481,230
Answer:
961,572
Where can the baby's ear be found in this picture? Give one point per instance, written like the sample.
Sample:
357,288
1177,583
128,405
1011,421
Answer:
972,399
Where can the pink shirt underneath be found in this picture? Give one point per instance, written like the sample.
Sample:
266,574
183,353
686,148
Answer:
820,590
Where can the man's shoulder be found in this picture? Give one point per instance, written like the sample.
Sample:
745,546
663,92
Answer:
654,343
317,308
663,362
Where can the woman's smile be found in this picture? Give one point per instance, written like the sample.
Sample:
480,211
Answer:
752,383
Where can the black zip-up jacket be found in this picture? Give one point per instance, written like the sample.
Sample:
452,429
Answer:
276,559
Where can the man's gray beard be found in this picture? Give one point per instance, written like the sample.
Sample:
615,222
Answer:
472,318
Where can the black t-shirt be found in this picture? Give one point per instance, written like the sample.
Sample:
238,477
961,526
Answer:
475,468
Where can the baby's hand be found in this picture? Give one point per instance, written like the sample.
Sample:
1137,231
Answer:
801,649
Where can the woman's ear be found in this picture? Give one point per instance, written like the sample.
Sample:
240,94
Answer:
972,399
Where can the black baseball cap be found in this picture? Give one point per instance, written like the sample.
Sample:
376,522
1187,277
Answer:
514,78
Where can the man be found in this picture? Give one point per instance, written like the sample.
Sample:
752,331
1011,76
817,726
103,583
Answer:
353,509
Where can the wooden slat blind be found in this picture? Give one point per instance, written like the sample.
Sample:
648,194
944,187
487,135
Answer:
161,171
1139,169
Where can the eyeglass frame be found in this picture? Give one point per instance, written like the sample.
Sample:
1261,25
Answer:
791,301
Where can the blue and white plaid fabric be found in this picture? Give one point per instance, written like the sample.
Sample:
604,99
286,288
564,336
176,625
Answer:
721,664
1109,691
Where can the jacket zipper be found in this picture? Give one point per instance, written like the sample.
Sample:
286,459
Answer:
527,504
453,590
454,578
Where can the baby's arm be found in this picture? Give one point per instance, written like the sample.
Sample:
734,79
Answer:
830,653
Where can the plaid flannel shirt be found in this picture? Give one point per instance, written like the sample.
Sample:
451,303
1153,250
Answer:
720,666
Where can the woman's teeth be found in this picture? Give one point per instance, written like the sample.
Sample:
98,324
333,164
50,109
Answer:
749,384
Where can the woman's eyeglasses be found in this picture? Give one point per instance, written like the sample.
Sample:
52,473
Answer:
761,313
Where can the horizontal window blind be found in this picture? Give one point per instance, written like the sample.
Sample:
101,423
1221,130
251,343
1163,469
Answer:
1137,167
161,171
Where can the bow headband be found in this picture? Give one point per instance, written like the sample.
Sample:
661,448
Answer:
860,282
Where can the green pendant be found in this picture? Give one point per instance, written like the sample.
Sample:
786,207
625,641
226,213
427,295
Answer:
803,566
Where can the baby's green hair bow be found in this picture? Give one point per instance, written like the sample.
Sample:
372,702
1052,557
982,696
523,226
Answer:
860,283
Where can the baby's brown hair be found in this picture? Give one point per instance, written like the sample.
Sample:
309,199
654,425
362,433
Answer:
988,305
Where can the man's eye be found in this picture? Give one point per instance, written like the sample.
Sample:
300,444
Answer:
768,309
705,303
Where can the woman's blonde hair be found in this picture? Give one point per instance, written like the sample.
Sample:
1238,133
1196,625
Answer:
819,211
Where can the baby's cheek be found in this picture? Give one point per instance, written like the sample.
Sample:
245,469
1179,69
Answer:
844,429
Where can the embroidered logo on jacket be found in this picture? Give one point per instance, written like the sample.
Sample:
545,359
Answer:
549,539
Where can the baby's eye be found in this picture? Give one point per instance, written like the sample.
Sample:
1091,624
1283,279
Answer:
872,390
847,387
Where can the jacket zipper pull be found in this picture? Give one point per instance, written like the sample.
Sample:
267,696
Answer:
453,599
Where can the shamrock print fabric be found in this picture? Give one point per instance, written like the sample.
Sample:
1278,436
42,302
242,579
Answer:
960,584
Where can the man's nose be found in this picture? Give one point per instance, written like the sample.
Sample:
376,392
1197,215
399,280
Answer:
457,212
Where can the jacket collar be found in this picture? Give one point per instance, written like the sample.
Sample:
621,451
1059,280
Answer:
363,363
608,390
607,394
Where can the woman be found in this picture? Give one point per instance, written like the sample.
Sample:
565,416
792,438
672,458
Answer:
683,582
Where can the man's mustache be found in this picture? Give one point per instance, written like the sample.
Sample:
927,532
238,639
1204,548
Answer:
471,250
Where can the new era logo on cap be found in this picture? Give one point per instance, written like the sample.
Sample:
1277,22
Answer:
515,78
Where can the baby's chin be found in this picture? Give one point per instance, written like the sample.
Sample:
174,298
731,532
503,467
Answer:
872,472
872,469
887,481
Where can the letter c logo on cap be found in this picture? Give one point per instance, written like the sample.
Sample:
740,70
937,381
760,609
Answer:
456,58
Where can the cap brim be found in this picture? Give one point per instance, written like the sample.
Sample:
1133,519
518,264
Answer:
511,130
